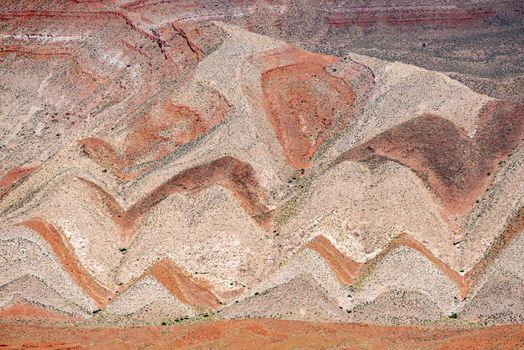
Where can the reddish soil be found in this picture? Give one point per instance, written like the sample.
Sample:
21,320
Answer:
458,168
305,104
229,172
349,271
262,334
188,290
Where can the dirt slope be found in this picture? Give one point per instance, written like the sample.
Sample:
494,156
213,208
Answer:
159,166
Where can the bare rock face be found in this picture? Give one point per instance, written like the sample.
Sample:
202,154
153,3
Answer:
161,163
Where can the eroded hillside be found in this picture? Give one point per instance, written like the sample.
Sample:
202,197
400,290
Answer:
157,172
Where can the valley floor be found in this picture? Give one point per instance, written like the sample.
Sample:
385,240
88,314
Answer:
262,334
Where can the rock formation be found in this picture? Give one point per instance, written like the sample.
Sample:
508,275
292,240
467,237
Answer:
163,165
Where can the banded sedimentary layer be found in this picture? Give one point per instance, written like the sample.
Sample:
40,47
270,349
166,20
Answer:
159,168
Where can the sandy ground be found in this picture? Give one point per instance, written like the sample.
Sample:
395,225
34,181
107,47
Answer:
262,334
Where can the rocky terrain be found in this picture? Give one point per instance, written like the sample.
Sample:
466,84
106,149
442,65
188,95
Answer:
164,165
478,43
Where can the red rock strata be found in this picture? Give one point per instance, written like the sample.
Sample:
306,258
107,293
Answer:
344,268
458,168
305,104
74,67
64,254
190,43
100,17
129,66
408,15
229,172
190,291
349,271
514,228
13,176
263,334
156,135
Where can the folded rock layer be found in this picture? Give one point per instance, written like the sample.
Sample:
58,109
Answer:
163,165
